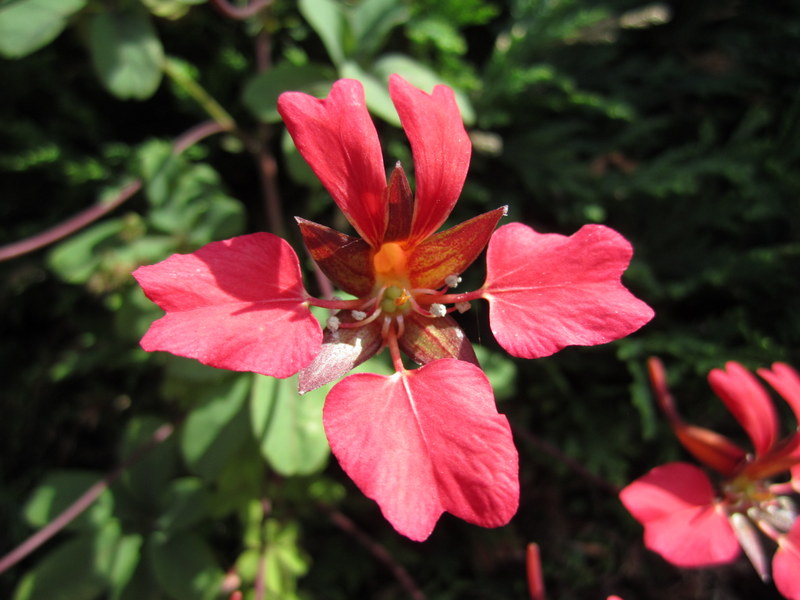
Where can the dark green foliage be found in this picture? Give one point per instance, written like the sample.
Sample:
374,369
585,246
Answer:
675,124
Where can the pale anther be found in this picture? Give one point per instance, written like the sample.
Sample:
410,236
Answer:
438,310
358,315
462,307
333,323
452,280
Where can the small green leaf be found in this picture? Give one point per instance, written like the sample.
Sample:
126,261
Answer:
422,77
261,92
372,21
185,566
27,25
149,475
59,490
185,502
284,561
288,426
126,53
500,370
75,570
78,258
376,92
125,561
327,18
216,429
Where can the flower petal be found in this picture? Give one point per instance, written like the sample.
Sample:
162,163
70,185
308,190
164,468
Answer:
548,291
749,403
451,251
238,304
345,260
786,381
337,138
441,149
682,521
786,563
709,447
424,442
425,339
342,351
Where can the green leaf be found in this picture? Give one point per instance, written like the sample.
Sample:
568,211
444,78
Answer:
185,566
327,18
82,568
261,92
59,490
185,502
216,429
27,25
284,561
66,573
500,370
371,22
422,77
376,92
126,53
288,426
78,258
124,564
146,479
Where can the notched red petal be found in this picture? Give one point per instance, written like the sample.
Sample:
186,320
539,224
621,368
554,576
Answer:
426,339
344,259
451,251
342,351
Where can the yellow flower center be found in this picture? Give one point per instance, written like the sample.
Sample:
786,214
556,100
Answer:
391,266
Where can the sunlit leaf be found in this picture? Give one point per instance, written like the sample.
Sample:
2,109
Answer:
126,53
327,19
288,426
59,490
261,92
215,430
27,25
185,566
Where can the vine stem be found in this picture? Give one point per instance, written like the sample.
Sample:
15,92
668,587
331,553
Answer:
240,13
84,501
571,463
93,213
378,551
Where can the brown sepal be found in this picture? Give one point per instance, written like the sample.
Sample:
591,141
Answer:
341,351
400,204
430,338
451,251
344,259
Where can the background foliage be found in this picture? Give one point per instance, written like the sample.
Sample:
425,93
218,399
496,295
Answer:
675,123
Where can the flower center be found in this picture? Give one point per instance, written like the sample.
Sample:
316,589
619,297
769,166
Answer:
391,266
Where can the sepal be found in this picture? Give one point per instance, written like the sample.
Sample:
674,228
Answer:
426,339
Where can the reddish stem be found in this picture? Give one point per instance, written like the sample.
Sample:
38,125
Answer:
93,213
240,13
378,551
83,502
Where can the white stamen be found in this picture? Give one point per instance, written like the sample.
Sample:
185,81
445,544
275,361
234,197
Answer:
462,307
438,310
452,280
358,315
333,324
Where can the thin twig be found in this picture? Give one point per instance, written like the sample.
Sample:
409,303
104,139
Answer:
83,502
95,212
70,226
378,551
240,13
568,461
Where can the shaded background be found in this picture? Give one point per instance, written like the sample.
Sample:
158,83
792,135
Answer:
675,123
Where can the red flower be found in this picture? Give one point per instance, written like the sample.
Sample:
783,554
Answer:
424,441
692,523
